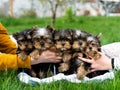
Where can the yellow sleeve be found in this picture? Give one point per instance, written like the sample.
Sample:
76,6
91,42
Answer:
6,44
9,58
10,61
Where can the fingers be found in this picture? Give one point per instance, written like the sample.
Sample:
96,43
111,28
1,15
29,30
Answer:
54,59
58,59
85,60
47,52
92,70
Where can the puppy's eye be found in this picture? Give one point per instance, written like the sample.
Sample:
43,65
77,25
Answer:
21,40
57,40
93,43
66,39
48,40
69,37
57,37
81,43
36,39
28,37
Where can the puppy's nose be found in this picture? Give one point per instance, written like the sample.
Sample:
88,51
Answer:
26,45
90,48
63,44
99,49
42,44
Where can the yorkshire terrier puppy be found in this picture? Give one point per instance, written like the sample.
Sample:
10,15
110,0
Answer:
42,39
92,49
93,46
24,42
25,47
63,44
85,45
79,42
67,43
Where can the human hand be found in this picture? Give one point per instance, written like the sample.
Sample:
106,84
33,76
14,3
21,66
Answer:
103,63
46,57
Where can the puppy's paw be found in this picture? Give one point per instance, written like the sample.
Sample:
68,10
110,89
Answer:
97,56
81,72
94,54
41,75
22,56
33,73
63,67
67,57
35,57
35,54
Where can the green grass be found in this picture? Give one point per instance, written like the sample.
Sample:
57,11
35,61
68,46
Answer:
9,81
108,26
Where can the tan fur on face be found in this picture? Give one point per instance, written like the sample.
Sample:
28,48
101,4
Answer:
79,46
22,46
37,45
93,47
59,45
30,45
42,39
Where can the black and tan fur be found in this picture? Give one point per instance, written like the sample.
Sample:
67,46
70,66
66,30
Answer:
63,45
24,42
85,45
67,43
42,39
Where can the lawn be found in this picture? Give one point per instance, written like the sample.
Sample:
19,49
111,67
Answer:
108,26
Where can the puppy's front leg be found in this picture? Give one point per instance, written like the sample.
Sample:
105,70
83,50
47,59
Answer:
35,54
22,55
63,67
67,57
81,72
93,54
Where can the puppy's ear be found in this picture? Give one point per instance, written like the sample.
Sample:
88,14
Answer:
99,36
32,30
29,34
50,28
71,31
15,35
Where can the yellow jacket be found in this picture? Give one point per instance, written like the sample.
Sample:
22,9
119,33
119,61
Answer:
8,56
